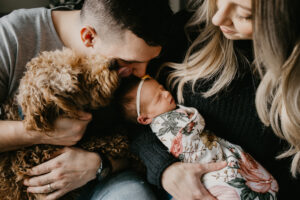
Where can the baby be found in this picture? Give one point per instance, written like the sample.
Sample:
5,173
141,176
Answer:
182,130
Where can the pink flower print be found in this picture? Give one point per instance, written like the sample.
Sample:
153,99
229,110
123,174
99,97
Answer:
232,150
176,147
191,126
257,178
190,115
232,163
224,192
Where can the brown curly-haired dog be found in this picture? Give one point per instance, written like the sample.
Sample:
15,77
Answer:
57,83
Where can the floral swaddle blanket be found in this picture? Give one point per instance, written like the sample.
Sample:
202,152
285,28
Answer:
182,132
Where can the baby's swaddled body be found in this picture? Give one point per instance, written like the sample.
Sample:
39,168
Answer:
182,131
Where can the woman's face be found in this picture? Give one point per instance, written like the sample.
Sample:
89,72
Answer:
234,17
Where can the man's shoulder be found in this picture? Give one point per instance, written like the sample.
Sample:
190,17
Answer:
23,18
24,13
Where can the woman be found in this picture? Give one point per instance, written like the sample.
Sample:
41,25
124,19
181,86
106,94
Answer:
218,78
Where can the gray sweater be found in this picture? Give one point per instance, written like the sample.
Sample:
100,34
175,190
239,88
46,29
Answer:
23,34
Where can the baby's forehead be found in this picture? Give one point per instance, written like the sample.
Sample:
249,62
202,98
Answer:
149,84
151,81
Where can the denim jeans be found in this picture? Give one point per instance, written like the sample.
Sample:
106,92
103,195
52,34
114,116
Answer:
126,185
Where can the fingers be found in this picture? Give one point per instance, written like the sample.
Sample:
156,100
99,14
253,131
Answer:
84,115
45,189
50,189
199,191
183,180
203,193
39,180
210,167
45,167
57,153
65,122
55,195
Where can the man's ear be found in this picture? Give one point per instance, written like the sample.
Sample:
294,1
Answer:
144,119
88,35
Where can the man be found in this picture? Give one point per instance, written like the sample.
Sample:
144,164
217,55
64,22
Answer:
127,30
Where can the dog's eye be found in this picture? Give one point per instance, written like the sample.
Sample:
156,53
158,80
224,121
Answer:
113,65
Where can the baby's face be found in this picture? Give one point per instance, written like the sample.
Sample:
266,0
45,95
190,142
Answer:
155,99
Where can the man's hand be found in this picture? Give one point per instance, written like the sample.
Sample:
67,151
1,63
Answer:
183,180
67,131
70,169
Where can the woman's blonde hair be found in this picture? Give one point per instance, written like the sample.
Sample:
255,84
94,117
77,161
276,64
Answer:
211,55
277,53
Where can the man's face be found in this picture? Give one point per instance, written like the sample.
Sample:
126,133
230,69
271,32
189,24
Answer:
132,53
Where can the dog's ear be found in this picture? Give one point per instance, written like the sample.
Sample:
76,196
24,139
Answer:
49,87
39,113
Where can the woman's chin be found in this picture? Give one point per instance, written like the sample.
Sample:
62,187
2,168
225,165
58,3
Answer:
235,36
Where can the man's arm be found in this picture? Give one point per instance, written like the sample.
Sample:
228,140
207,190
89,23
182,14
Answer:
67,132
14,136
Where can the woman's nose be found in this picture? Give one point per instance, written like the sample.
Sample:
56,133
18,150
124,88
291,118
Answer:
222,17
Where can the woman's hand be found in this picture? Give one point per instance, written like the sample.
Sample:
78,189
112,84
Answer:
183,180
70,169
67,131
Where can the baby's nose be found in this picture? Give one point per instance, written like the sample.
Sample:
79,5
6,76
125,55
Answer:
166,93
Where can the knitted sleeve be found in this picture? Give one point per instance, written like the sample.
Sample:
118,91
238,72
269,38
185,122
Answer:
153,153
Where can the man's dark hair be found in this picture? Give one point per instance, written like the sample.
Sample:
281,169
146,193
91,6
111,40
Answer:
148,19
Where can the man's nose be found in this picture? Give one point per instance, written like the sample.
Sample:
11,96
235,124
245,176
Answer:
139,69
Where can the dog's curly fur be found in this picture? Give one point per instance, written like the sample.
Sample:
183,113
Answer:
57,83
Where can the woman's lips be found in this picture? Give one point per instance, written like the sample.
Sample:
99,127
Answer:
124,71
226,30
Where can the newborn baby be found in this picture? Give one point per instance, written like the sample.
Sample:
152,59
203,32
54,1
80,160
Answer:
182,130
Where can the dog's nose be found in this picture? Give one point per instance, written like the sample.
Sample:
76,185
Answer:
113,65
